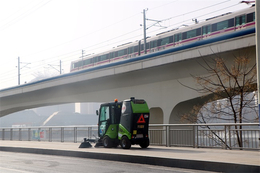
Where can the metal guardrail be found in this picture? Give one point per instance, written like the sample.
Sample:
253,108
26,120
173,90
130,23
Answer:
219,135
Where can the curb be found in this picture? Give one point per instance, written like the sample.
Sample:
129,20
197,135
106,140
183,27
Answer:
168,162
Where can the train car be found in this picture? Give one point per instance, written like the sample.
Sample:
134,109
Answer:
212,27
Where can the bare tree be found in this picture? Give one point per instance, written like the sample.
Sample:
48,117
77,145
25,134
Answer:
231,87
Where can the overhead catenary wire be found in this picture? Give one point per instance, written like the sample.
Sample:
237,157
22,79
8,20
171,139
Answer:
13,14
113,25
70,55
196,10
126,33
189,20
22,16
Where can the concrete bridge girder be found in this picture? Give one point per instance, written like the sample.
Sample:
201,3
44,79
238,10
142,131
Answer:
156,80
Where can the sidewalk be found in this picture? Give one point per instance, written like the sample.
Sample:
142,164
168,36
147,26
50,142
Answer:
191,158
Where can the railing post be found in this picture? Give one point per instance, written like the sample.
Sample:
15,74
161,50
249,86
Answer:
225,137
167,136
229,137
197,130
29,134
20,134
62,134
50,134
75,134
11,134
39,131
89,132
194,136
3,134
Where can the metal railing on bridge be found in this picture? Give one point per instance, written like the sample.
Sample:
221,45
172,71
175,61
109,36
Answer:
219,135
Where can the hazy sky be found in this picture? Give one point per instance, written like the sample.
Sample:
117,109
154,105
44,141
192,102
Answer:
43,32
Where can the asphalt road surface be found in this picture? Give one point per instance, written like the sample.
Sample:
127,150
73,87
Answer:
11,162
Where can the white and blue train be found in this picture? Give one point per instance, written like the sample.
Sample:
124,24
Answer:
229,24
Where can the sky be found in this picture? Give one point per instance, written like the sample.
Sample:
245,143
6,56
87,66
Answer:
44,32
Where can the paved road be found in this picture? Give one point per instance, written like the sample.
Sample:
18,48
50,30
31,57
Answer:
172,157
28,163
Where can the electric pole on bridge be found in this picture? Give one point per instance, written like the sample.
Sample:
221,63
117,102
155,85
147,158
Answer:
19,68
60,70
144,31
157,23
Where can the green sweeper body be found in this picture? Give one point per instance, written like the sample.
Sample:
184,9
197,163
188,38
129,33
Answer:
122,123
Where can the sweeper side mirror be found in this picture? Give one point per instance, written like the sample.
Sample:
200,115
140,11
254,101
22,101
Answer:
97,112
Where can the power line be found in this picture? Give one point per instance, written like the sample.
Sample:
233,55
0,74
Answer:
92,46
20,9
22,16
74,53
163,5
179,23
196,10
117,37
123,20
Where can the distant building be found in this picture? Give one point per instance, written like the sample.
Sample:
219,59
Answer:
89,108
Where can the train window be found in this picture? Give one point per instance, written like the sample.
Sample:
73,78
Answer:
198,31
80,63
130,50
103,57
222,25
97,59
111,55
184,35
142,47
136,49
231,23
240,20
122,52
147,46
88,61
153,44
159,42
250,17
75,65
167,40
177,37
192,33
116,54
171,39
206,29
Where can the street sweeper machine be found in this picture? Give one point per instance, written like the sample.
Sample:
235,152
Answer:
122,123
